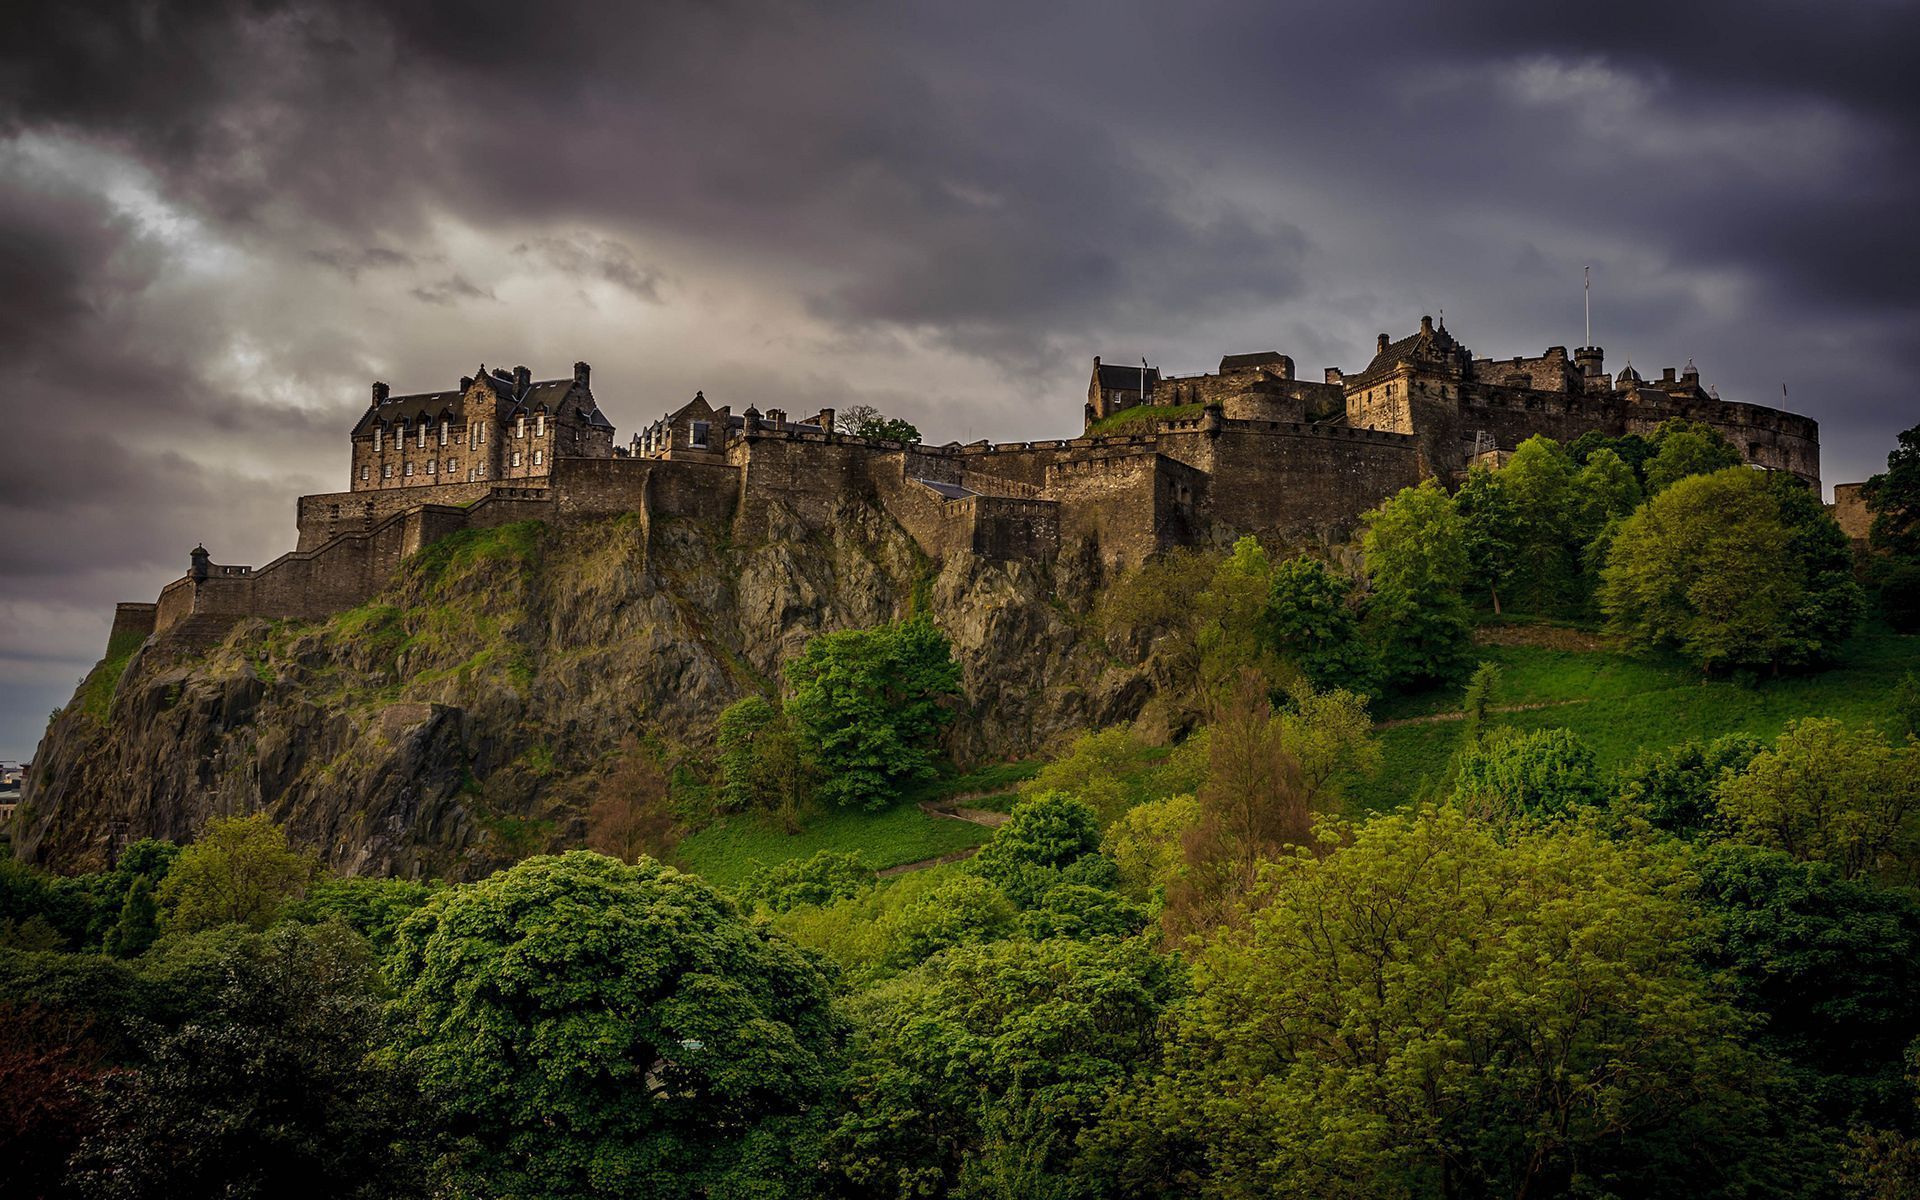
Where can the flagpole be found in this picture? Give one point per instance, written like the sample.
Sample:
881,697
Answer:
1586,288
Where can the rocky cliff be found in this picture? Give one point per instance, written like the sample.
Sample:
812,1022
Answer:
462,718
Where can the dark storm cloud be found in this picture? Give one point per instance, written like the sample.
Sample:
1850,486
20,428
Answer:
216,215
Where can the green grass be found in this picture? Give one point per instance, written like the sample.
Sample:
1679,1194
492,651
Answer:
1622,705
1140,418
96,694
727,852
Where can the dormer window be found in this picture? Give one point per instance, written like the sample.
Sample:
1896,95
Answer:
377,446
422,440
700,433
540,425
520,427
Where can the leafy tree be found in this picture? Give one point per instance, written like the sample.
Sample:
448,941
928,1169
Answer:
1311,620
139,921
1732,570
1906,704
1540,772
1417,564
864,420
1834,967
1894,497
1146,845
631,814
1446,1008
826,877
273,1092
1233,630
977,1071
1604,491
1095,769
1476,705
48,1067
962,910
870,703
1682,448
240,871
608,1030
1677,789
1540,479
1897,583
1330,736
1829,794
1633,450
739,728
1083,913
1489,528
1049,839
1884,1164
370,906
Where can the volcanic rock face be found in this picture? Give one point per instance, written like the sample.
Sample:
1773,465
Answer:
463,718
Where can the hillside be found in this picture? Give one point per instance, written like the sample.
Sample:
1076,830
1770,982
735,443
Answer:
461,719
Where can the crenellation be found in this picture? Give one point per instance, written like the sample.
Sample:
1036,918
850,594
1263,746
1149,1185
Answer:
1266,452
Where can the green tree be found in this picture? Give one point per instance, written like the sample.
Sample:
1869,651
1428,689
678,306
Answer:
961,911
823,879
1446,1008
1540,772
272,1091
1049,839
977,1071
1678,789
1232,628
870,704
1682,448
1476,705
1830,794
609,1030
1894,497
1606,494
240,871
1540,479
1489,529
1417,564
1146,845
735,736
1312,621
864,420
139,921
370,906
1731,570
1633,450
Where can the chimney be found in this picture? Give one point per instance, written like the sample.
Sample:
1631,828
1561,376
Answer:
1382,345
1426,324
777,417
522,379
826,420
1666,375
379,393
580,373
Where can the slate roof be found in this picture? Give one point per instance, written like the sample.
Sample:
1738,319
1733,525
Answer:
1265,358
954,491
1126,379
547,393
1398,352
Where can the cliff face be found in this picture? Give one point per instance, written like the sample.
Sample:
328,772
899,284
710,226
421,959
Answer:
462,718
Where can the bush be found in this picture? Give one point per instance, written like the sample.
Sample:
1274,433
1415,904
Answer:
1541,773
827,877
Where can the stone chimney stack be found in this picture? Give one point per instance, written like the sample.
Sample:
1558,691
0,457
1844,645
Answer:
1426,324
581,373
379,393
1382,345
1667,375
826,420
466,382
522,380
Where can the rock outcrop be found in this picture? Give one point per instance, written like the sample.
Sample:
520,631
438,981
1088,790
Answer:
463,718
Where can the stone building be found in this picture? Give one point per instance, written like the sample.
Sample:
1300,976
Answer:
1250,448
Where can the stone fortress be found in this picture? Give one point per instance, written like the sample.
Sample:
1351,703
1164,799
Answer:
1162,461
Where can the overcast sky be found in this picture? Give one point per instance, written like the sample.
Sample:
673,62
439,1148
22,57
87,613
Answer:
220,222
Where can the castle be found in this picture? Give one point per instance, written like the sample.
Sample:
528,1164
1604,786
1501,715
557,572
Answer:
1162,461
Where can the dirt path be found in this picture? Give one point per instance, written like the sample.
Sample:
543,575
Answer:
952,810
1441,718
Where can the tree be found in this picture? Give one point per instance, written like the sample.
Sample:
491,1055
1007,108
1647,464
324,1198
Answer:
1540,479
1894,497
864,420
1049,839
1677,789
371,906
240,871
608,1030
631,814
978,1070
1146,845
1541,773
1682,448
48,1068
1489,527
1312,621
139,921
1604,491
739,728
1476,704
1446,1008
1731,570
1632,449
1233,630
1830,794
273,1092
961,911
827,877
1417,564
1330,736
870,704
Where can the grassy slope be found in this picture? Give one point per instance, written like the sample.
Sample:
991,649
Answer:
1141,418
736,847
1622,705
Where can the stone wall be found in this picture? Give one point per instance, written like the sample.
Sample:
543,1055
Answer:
133,620
330,514
1295,482
1850,511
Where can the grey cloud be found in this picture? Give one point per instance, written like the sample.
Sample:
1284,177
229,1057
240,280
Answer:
449,291
587,256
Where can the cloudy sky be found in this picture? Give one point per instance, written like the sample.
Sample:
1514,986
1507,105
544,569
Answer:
220,221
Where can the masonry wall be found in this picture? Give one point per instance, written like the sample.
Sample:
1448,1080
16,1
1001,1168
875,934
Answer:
1850,511
1298,482
1108,497
331,513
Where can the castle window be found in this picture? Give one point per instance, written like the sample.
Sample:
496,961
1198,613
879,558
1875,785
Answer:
516,459
537,457
422,443
432,465
377,447
519,427
363,471
446,427
407,470
540,425
386,470
699,433
453,464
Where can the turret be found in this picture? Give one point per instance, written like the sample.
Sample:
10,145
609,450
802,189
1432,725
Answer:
198,563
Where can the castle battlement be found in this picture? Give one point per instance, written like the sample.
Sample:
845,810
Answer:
1250,448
